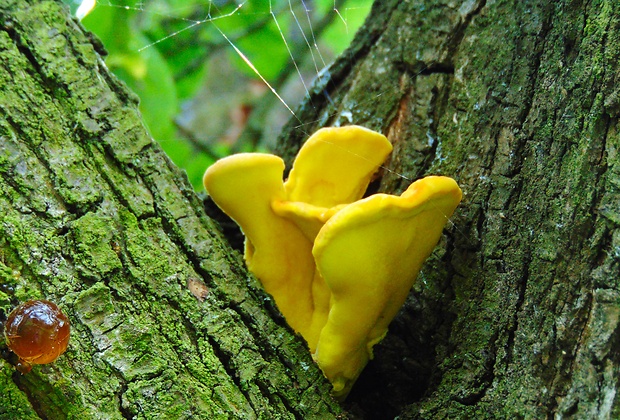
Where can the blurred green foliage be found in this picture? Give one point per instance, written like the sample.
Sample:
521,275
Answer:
199,98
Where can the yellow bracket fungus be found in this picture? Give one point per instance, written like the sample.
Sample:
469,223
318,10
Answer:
338,266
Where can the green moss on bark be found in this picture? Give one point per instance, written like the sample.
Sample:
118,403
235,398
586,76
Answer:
518,101
96,218
13,402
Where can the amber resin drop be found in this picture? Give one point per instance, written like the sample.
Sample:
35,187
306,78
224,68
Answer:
38,332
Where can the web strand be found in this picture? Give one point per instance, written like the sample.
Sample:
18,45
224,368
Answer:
255,70
288,49
193,24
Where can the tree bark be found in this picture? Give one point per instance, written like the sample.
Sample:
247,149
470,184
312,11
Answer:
95,218
516,313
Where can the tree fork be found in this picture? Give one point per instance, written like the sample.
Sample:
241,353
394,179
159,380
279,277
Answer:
514,315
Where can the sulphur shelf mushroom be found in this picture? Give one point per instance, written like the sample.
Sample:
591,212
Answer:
338,266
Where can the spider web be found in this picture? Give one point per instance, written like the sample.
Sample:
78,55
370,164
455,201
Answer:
255,87
265,52
244,99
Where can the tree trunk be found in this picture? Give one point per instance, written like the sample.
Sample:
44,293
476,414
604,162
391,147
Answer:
96,218
515,314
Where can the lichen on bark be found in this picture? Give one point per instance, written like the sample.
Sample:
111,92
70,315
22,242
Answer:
518,102
96,218
515,315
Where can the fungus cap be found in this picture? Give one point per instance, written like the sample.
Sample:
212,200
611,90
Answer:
369,254
335,165
276,251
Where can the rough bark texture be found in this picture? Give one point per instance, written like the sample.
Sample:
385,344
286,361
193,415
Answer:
516,313
96,218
